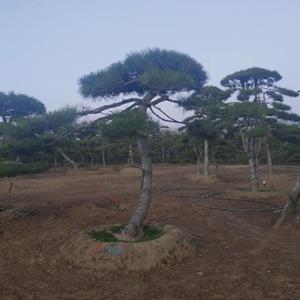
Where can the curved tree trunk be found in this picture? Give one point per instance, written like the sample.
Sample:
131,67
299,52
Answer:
269,157
206,159
291,205
68,159
134,227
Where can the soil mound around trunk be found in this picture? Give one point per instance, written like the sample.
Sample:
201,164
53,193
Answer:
101,256
275,179
131,172
198,178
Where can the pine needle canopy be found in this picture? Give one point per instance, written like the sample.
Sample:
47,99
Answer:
207,96
18,105
254,83
129,124
251,78
152,70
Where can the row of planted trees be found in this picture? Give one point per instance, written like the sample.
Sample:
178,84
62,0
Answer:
23,142
256,110
250,103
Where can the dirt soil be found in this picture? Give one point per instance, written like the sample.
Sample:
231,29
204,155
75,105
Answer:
239,255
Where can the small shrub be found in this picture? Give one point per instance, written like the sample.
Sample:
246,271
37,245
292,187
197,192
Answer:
117,228
103,236
150,233
11,169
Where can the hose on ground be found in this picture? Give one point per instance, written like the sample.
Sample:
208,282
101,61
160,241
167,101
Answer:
214,195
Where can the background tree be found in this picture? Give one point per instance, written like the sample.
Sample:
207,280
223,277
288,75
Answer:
280,117
206,122
14,106
259,100
166,141
145,79
34,138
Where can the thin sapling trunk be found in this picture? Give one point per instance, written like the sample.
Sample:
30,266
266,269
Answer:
130,156
269,157
206,159
103,154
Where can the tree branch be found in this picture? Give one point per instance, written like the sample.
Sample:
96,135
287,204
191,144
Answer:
166,115
163,119
162,99
109,106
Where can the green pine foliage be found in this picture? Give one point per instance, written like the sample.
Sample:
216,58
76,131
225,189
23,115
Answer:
10,169
14,106
157,70
129,124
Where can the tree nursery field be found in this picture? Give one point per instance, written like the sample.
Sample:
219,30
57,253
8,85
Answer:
238,253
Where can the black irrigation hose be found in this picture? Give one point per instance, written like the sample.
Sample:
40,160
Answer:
198,199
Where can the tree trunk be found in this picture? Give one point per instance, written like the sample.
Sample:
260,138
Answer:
213,153
253,174
130,156
103,155
198,166
252,147
55,162
134,227
163,152
64,155
206,159
198,156
269,156
92,158
291,205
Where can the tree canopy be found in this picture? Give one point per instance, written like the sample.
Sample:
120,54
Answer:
251,78
14,106
258,108
156,70
208,105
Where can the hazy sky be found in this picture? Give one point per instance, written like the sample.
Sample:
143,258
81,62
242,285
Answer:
46,46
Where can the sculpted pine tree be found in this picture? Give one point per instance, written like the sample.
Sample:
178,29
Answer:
207,105
144,80
259,105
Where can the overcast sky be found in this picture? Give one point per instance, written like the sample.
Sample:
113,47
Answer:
46,46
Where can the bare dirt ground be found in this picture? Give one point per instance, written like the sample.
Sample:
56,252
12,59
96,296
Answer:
239,255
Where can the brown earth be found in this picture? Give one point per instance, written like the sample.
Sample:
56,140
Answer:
239,255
